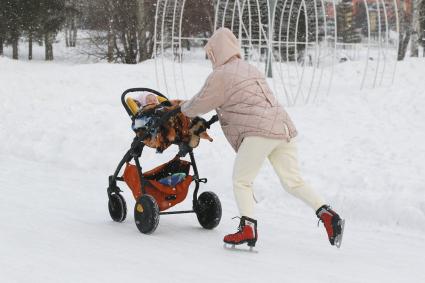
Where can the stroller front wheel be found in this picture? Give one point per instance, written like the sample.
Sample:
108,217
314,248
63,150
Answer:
208,210
146,214
117,207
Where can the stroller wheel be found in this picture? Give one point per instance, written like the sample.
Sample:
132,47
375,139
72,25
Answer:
146,214
117,207
208,210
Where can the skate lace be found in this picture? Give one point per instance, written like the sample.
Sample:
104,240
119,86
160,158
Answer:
240,227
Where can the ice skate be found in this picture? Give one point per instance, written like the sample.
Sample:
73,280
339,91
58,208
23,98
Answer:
333,223
247,233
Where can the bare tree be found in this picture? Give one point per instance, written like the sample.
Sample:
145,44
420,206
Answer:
110,28
145,27
124,29
71,17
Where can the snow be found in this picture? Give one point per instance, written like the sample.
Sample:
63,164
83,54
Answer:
63,131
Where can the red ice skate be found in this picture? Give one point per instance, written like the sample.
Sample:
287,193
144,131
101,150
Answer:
333,223
246,233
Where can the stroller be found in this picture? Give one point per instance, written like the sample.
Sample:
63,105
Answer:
163,187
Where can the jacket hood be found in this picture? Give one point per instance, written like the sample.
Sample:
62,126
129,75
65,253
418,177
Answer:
222,46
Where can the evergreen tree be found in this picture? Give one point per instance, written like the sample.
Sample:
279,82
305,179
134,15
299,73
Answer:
52,17
12,13
72,13
31,19
2,26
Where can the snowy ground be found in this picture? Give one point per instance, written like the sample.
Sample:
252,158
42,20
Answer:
63,130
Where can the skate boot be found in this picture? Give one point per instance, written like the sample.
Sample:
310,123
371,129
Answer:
333,223
247,233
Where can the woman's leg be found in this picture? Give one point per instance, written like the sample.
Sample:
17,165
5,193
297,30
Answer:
284,159
249,159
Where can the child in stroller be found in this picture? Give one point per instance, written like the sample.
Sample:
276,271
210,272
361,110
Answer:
176,129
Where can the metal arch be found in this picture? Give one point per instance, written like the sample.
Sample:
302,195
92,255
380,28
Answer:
217,8
335,46
368,44
288,24
269,39
325,39
224,13
301,81
155,43
241,24
379,43
249,31
386,41
233,15
250,26
315,51
398,38
288,100
172,48
180,46
162,47
260,24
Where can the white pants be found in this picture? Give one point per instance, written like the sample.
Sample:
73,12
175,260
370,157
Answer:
283,157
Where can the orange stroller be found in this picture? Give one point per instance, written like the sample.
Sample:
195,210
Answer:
153,191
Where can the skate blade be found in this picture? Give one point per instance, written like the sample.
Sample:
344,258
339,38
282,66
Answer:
231,247
338,239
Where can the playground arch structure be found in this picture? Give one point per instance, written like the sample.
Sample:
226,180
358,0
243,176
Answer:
299,44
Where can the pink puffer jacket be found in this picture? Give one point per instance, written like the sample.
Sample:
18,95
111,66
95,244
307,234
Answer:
240,94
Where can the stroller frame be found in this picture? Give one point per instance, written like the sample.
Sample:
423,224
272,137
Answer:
135,153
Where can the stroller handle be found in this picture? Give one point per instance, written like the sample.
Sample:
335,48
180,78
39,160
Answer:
212,120
139,89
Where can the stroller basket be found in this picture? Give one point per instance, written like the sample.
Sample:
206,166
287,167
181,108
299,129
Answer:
165,196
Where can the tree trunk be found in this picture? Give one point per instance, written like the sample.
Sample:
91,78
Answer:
129,42
1,45
30,46
111,39
15,54
48,44
414,48
110,55
74,34
414,38
67,36
72,31
402,47
133,45
141,20
405,31
421,23
145,28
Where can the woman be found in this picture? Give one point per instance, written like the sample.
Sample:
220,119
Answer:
257,127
